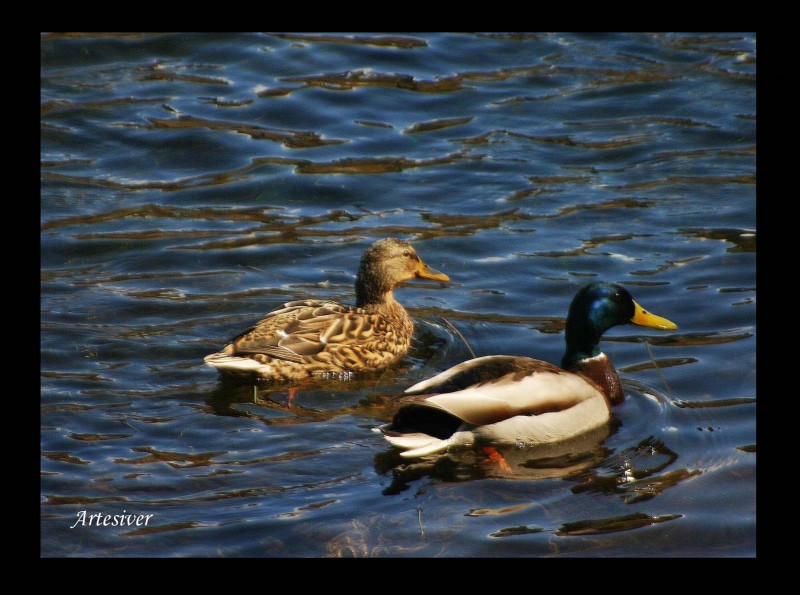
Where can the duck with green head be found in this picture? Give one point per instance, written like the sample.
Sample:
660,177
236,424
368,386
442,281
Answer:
506,399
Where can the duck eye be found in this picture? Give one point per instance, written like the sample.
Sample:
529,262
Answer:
406,252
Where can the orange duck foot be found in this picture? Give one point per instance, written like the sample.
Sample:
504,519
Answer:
495,457
293,390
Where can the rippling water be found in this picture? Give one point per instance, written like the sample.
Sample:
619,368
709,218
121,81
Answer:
191,183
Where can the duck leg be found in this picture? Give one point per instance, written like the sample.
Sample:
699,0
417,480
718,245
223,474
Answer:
293,390
495,457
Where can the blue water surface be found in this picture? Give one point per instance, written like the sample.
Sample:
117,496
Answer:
190,183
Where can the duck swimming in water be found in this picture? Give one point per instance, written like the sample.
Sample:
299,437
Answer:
506,399
308,338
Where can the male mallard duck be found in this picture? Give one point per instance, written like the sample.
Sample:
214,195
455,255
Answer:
506,399
313,337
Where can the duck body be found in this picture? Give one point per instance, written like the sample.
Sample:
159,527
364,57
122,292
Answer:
308,338
514,399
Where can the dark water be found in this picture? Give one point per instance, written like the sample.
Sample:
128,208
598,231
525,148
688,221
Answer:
191,183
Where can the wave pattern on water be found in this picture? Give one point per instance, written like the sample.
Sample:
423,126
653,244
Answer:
190,183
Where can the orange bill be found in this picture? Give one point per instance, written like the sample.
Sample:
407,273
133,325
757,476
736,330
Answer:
426,272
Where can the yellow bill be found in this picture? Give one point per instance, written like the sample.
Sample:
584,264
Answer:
644,318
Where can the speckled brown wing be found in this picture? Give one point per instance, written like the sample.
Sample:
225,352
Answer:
323,337
290,333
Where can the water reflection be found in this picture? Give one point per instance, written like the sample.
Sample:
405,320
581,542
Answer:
313,401
634,473
518,462
627,522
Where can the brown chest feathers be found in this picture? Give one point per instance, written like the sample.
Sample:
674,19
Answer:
600,370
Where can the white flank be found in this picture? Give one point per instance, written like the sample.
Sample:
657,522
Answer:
506,398
548,427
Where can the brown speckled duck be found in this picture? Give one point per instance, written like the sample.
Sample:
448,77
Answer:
307,338
510,399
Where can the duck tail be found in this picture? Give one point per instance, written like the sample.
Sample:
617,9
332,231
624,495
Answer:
232,364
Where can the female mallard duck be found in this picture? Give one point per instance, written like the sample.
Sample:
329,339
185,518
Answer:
312,337
506,399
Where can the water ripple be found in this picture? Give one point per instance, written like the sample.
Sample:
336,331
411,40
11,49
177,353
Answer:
393,41
190,182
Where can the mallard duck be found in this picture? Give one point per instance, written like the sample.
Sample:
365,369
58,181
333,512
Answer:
510,399
307,338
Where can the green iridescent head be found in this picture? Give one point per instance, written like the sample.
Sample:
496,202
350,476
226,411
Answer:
595,309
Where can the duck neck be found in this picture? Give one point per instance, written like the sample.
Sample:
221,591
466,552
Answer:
370,293
583,356
371,288
582,338
600,370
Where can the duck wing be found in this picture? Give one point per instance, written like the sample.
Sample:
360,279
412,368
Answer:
492,389
305,328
